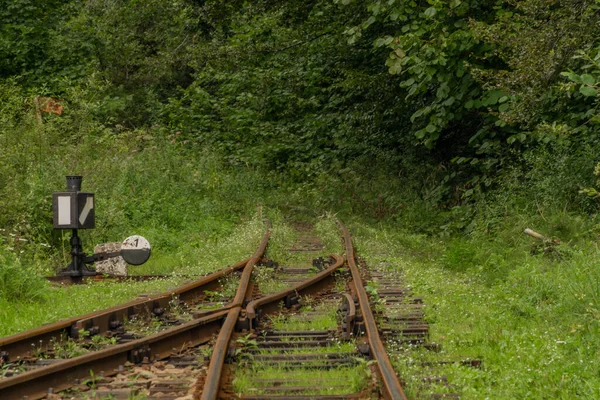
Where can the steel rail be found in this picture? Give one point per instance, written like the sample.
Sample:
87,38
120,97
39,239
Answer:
188,293
19,345
392,389
66,280
215,368
270,303
62,375
349,315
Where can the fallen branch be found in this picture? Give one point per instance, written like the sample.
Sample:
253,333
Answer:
539,236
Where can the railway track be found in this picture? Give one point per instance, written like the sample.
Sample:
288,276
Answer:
253,330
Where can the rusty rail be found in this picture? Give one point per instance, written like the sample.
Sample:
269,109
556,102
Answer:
391,387
65,280
349,315
312,285
20,344
213,375
63,374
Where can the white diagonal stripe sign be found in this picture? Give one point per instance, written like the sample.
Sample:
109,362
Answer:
89,204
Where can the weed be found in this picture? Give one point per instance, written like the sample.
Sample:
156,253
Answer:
19,283
11,368
178,310
336,381
68,348
205,352
267,280
98,342
230,247
91,381
246,342
532,320
143,326
229,285
325,319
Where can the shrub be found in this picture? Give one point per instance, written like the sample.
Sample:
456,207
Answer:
19,282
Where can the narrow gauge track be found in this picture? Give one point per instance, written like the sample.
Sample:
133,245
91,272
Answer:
21,346
171,363
70,280
307,350
33,379
402,324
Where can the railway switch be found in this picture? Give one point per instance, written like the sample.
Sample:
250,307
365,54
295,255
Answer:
74,209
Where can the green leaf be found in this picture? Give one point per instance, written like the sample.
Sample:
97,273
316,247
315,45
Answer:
416,115
369,22
442,91
572,76
455,3
588,91
588,79
492,97
450,101
384,41
503,107
430,12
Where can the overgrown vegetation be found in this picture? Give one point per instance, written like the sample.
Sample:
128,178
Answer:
355,107
28,311
532,319
463,121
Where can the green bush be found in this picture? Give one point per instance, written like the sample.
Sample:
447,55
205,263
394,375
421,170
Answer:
19,282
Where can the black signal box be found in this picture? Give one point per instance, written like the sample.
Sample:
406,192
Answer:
73,209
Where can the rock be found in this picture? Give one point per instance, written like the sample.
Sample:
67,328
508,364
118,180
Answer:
114,265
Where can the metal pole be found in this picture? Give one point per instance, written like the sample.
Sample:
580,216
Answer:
76,249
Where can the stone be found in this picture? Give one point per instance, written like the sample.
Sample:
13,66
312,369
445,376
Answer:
114,265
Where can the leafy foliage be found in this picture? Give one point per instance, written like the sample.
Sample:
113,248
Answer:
390,109
19,282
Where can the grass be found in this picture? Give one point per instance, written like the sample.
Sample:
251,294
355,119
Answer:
268,280
74,300
251,377
340,380
335,346
19,283
326,319
285,234
536,329
63,302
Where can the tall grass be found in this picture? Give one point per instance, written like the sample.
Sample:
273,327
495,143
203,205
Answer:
18,282
147,181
